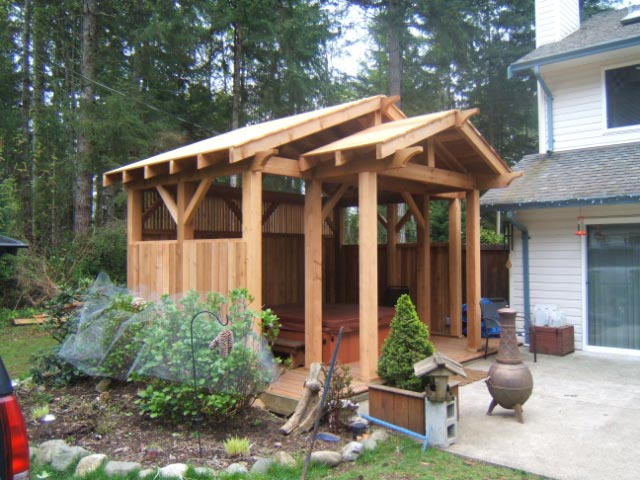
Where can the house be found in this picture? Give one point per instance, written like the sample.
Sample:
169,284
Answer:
576,210
186,231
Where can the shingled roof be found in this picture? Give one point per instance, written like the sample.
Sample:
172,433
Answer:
590,176
599,33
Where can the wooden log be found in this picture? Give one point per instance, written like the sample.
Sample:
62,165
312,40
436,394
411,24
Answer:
308,407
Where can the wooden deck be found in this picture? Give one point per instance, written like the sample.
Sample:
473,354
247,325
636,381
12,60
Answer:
283,395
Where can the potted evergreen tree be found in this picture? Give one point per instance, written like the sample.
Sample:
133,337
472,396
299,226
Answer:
401,399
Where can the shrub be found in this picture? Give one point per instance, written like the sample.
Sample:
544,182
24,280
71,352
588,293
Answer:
338,406
407,343
227,381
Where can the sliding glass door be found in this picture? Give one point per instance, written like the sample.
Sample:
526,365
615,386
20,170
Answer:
613,276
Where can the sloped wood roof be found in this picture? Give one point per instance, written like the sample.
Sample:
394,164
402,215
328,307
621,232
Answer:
442,150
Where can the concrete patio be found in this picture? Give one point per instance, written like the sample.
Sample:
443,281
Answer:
581,422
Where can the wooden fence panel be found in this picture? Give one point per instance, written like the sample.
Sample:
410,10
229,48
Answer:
214,265
156,268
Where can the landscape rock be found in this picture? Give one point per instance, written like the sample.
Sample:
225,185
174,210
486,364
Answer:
240,468
285,459
262,465
205,471
33,452
174,470
147,472
66,455
379,436
369,444
47,450
89,464
326,457
352,451
121,468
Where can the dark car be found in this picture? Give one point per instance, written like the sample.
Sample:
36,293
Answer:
14,444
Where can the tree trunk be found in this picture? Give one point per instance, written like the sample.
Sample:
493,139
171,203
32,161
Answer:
82,203
395,25
237,77
26,177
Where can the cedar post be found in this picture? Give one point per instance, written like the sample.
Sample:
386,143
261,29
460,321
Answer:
473,271
424,265
455,268
185,231
368,271
392,245
313,272
252,236
134,234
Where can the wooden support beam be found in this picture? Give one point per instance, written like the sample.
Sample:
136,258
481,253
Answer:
332,202
134,234
414,209
431,153
474,340
404,155
484,149
462,116
261,158
273,206
169,202
389,147
405,218
252,235
382,220
198,196
485,182
392,245
284,167
155,169
430,175
313,272
233,207
423,273
448,158
368,271
455,268
185,231
152,208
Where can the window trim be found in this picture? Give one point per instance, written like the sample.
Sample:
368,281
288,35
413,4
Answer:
603,76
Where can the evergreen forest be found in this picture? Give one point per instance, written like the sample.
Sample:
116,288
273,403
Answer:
89,85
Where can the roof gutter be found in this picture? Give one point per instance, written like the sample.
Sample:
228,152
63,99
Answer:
526,290
579,53
549,105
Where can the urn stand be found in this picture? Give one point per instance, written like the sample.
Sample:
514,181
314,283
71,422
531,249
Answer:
509,381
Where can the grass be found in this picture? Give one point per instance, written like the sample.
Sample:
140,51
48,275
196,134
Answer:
396,459
19,343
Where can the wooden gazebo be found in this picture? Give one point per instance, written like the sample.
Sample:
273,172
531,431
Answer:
185,231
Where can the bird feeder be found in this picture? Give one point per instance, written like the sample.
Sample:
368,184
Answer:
440,368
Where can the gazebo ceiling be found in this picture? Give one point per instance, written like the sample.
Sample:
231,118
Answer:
435,153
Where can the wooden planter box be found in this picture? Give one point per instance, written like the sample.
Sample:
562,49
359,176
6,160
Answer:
400,407
553,340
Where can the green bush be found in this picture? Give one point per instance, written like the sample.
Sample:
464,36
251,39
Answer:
226,383
407,343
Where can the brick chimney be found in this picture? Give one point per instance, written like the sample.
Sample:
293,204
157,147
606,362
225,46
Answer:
555,20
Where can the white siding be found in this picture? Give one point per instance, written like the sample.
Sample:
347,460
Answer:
579,102
556,273
555,19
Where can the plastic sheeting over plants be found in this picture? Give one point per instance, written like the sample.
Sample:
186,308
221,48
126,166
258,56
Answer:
123,337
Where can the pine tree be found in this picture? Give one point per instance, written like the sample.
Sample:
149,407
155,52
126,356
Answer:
407,343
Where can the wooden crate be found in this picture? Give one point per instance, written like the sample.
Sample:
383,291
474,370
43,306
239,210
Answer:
553,340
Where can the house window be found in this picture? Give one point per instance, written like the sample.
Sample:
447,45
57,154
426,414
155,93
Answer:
623,96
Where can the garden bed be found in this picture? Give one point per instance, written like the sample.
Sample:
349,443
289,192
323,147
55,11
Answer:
109,423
